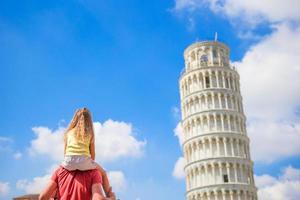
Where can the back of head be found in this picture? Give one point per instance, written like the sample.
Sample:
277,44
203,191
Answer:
82,123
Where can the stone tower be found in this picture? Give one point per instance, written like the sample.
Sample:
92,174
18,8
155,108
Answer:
216,145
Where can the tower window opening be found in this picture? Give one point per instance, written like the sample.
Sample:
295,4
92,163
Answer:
225,178
215,56
214,53
226,83
203,60
207,82
224,60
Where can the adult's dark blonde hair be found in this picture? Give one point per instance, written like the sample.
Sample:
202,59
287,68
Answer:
83,124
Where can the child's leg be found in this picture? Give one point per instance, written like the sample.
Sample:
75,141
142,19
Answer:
105,183
54,194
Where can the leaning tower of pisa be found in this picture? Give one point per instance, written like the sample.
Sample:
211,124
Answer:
216,145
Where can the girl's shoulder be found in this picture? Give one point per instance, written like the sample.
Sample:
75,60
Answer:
71,131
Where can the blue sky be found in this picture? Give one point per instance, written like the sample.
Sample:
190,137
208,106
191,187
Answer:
122,60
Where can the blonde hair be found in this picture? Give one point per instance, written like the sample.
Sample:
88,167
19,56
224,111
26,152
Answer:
83,124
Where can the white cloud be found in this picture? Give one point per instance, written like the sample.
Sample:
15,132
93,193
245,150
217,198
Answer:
117,180
264,180
256,11
252,12
48,142
116,140
4,189
272,141
113,140
270,83
274,63
34,186
179,133
176,113
17,155
290,174
37,184
185,4
286,186
5,139
178,171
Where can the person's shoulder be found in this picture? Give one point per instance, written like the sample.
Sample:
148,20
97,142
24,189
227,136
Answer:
71,130
57,173
60,170
92,171
95,176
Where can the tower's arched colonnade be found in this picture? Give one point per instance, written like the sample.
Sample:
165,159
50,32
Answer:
216,145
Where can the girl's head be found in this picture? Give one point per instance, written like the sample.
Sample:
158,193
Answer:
82,122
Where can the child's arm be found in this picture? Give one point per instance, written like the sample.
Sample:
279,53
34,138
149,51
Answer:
92,148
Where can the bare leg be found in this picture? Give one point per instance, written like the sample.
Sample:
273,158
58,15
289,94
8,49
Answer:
105,183
54,194
49,191
97,192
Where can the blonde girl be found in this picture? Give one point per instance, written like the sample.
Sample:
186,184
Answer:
79,147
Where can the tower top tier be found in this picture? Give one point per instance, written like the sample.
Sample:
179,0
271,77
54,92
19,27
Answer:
206,54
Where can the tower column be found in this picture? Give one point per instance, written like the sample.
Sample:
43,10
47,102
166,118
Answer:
206,174
223,79
238,195
220,172
231,194
234,124
210,79
242,174
208,196
238,147
225,147
229,81
217,79
223,195
232,147
222,122
213,100
215,195
215,122
206,101
218,146
213,173
233,82
220,101
231,101
228,122
204,81
228,172
235,173
210,147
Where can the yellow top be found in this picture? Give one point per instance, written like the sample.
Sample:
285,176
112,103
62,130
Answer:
76,146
